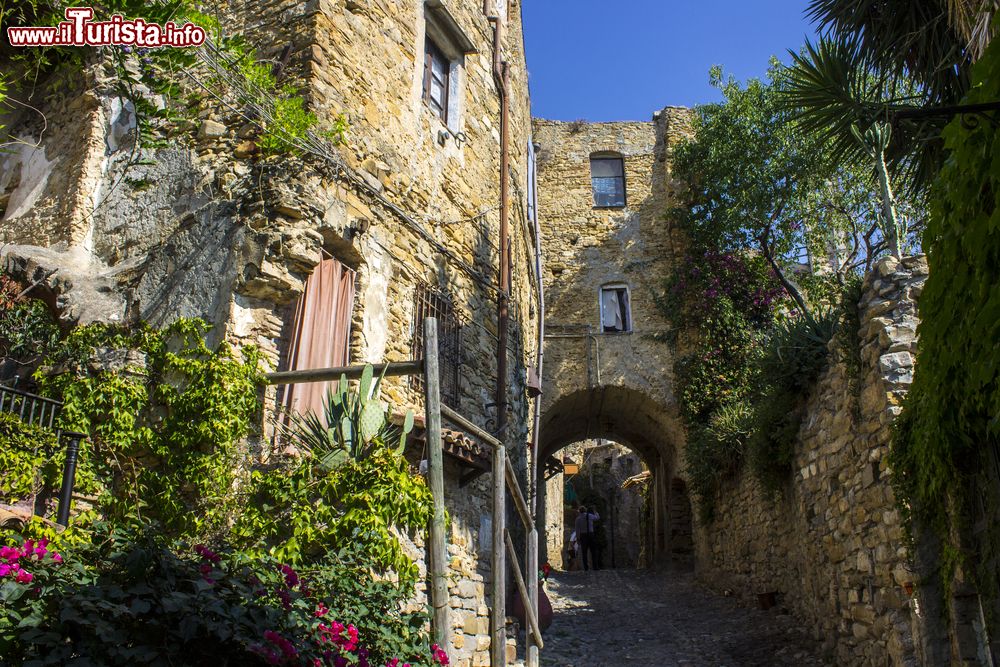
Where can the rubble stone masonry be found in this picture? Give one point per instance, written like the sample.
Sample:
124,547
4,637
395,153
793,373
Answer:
832,548
197,224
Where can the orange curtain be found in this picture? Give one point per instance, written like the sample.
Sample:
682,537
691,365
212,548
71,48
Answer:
321,332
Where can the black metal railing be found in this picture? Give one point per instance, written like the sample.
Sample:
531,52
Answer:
42,412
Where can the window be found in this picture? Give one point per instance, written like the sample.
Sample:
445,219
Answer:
532,195
437,79
616,314
320,332
429,302
445,48
607,176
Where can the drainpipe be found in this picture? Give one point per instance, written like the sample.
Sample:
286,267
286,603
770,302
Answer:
500,76
532,650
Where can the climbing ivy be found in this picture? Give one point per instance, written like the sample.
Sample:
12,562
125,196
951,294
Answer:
142,74
949,430
28,459
165,421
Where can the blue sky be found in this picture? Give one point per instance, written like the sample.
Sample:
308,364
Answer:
603,60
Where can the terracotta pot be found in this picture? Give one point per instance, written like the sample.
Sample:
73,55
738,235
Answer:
544,609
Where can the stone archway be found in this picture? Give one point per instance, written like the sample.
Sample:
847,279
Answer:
629,417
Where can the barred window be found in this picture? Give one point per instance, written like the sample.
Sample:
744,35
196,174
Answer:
431,302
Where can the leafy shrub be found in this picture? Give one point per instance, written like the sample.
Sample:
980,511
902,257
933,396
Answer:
352,486
29,459
716,451
130,596
795,356
165,427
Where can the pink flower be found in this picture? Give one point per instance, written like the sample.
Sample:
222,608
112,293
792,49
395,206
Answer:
56,557
10,554
321,610
5,569
439,655
24,577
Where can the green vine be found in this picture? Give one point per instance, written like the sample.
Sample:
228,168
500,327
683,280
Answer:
944,454
155,80
166,424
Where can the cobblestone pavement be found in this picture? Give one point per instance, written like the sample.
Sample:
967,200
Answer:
641,618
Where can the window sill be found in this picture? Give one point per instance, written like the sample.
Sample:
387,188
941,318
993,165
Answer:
605,208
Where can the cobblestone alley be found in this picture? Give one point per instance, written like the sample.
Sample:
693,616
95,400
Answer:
640,618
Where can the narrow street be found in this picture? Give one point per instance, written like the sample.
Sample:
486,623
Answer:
644,619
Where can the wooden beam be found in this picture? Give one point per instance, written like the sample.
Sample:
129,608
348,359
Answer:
528,610
515,488
435,456
392,369
498,619
470,427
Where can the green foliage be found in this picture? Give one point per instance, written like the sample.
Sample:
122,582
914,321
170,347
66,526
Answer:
166,431
289,123
352,486
161,71
29,459
27,329
848,335
795,356
760,183
130,596
941,456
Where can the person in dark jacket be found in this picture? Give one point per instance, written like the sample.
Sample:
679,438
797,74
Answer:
584,526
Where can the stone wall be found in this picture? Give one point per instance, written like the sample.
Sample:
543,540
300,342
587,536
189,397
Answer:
617,386
832,548
201,225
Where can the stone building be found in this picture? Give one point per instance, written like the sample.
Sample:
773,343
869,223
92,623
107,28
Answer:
400,221
604,193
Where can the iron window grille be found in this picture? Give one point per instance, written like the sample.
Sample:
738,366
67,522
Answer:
431,302
607,177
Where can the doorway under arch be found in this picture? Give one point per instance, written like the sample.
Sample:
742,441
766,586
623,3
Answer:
632,419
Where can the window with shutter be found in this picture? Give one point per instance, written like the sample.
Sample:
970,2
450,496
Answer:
437,79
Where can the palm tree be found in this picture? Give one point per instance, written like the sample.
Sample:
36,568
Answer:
876,58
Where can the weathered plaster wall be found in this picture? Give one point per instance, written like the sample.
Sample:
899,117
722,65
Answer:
832,547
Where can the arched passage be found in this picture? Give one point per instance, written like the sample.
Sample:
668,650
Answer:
629,417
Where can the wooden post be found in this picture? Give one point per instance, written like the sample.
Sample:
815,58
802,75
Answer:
534,641
435,468
498,620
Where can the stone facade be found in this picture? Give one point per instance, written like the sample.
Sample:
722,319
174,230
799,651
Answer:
202,226
832,548
610,385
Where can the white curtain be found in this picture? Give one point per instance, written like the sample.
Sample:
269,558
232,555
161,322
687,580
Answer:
612,310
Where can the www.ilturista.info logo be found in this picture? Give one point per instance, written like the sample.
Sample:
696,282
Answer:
79,30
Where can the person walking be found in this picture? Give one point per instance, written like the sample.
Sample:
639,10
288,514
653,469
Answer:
585,536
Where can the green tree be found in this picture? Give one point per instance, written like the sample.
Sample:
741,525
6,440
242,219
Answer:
877,58
759,182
